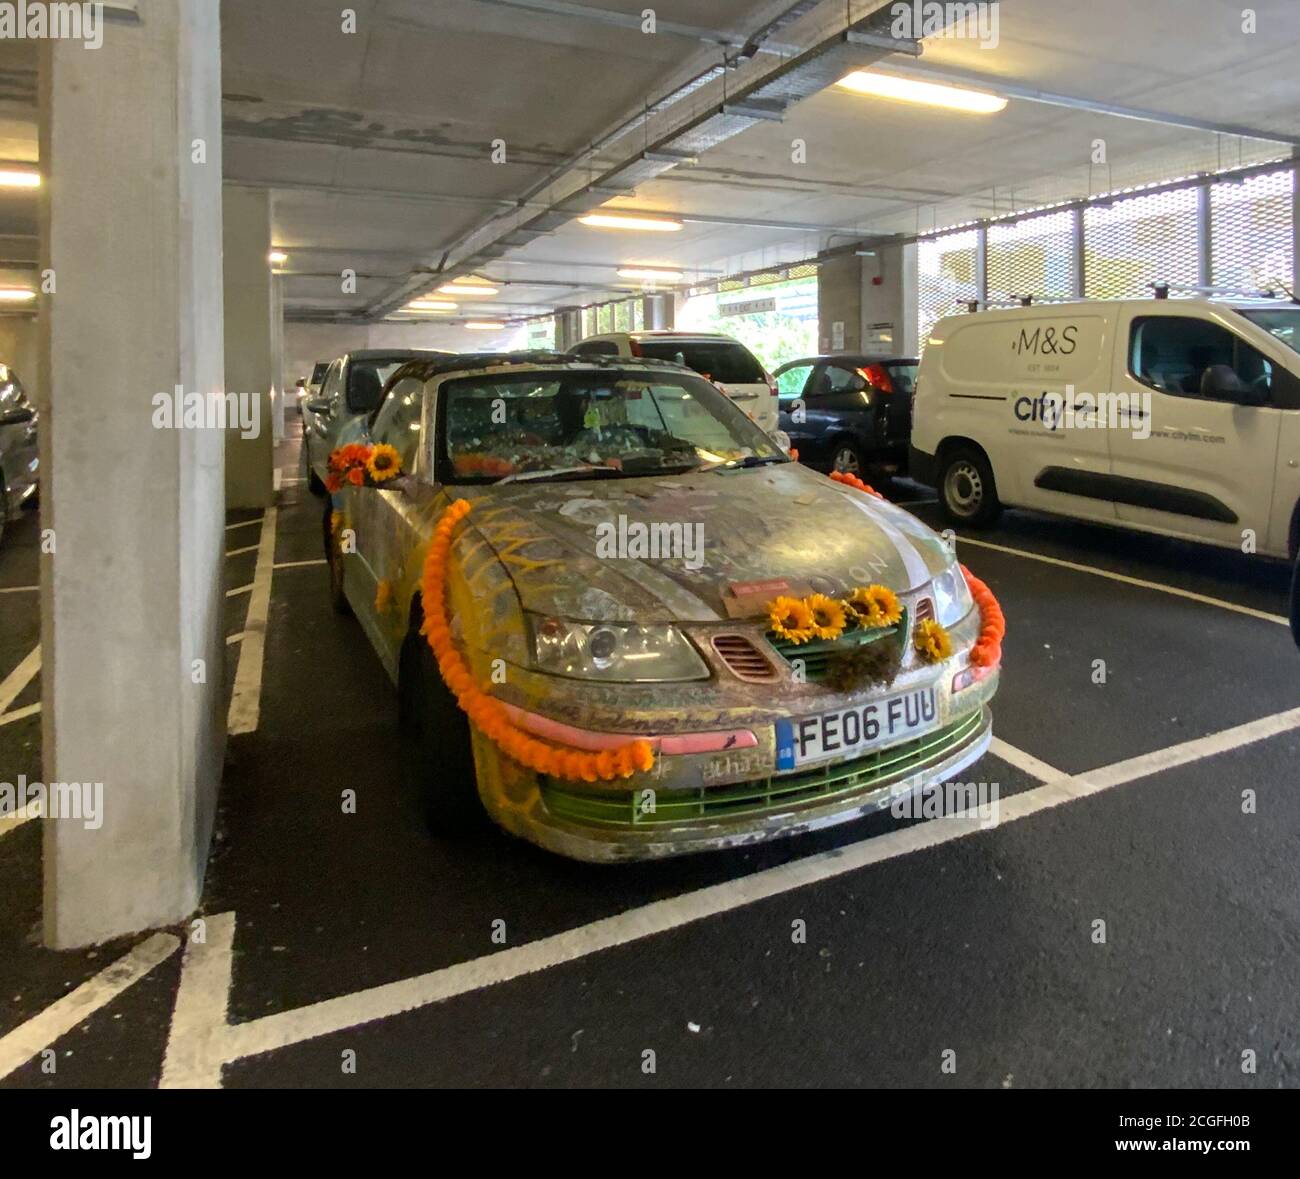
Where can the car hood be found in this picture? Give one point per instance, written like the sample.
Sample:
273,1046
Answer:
667,549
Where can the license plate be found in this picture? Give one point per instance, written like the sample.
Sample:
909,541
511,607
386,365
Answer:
849,731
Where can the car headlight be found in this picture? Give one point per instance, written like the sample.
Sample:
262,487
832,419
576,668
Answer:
952,600
617,652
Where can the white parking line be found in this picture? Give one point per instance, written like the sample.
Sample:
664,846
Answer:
300,564
246,699
248,548
244,523
1137,581
8,718
39,1032
1024,761
19,589
24,814
22,675
199,1019
239,589
237,637
203,1052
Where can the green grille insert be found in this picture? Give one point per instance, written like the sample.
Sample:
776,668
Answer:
619,808
818,654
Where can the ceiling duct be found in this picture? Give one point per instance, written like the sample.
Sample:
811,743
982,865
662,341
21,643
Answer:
767,97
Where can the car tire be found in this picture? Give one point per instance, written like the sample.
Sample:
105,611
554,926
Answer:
968,494
334,559
437,749
847,456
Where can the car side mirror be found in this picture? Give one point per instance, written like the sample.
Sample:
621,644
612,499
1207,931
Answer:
300,383
16,417
319,405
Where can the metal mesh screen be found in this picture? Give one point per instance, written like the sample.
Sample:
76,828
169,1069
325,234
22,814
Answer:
1139,240
1251,244
1031,257
946,274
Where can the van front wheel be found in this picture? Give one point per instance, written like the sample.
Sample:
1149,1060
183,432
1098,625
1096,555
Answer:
967,492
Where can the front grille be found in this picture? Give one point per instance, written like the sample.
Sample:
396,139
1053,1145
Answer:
924,609
818,657
745,661
752,800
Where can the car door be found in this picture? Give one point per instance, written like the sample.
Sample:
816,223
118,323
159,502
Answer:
382,516
1201,465
791,381
316,425
18,443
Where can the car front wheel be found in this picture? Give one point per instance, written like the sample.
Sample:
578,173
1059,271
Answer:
437,752
967,492
847,458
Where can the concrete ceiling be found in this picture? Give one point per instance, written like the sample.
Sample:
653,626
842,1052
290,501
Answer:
377,143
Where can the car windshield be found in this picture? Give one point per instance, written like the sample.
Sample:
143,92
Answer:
727,361
580,424
367,378
1284,323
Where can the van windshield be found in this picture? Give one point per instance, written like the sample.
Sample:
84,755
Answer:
1284,323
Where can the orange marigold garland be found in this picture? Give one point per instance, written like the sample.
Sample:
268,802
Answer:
486,712
851,480
356,463
987,651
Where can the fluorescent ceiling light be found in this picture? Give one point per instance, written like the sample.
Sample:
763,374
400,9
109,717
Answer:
277,257
955,98
14,178
466,288
430,305
16,294
484,325
650,274
628,221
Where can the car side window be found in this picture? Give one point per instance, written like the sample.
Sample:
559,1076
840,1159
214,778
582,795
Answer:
398,421
333,385
842,380
1192,357
596,348
790,384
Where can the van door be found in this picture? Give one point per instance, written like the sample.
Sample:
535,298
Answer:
1040,366
1200,462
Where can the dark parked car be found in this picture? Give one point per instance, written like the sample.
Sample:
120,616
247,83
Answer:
847,412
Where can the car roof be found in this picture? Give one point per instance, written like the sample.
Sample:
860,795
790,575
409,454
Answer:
851,358
535,359
394,353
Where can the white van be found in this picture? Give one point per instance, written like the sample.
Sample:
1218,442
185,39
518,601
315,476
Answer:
1174,416
721,359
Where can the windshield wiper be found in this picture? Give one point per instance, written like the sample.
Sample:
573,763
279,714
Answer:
750,460
556,473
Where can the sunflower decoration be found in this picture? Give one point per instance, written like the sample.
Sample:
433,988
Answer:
384,462
828,616
931,641
790,619
874,606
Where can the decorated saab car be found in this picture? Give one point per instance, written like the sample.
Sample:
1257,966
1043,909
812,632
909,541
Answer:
624,623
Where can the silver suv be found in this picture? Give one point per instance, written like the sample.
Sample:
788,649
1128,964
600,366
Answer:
18,461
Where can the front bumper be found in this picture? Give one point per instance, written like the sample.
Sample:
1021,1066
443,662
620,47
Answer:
606,825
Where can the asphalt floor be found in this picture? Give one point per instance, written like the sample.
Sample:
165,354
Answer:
933,955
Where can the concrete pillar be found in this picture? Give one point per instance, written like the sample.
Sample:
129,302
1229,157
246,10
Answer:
839,303
250,352
131,597
885,305
280,390
568,327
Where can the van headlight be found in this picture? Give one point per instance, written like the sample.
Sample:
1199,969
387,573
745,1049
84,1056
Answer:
617,652
952,600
